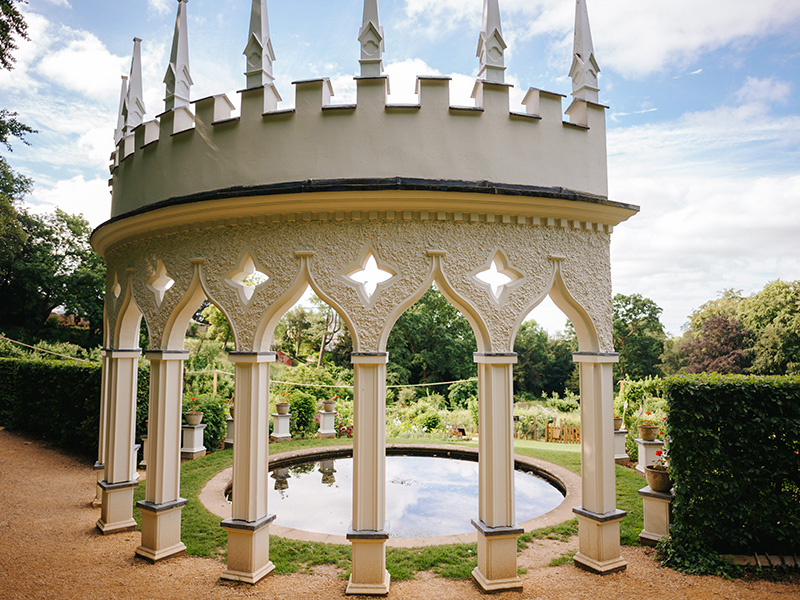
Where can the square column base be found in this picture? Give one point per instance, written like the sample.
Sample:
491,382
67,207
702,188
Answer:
497,558
656,515
161,530
116,512
248,550
369,576
598,544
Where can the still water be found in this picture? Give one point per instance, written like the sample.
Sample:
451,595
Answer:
425,496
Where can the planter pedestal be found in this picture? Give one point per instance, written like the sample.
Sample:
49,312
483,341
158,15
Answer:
327,424
656,515
193,442
280,427
143,462
229,433
620,455
647,453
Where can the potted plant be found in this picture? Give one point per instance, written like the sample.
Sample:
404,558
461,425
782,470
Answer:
648,427
617,422
330,405
657,474
282,407
193,416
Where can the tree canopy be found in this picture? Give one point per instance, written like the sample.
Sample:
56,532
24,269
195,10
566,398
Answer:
638,336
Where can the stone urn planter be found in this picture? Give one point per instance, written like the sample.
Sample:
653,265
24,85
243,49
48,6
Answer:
329,405
648,432
282,408
193,417
658,479
617,423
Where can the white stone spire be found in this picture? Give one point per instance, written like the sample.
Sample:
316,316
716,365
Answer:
491,46
178,80
119,132
371,39
134,100
258,51
584,65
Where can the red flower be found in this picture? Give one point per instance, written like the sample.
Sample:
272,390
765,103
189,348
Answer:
659,452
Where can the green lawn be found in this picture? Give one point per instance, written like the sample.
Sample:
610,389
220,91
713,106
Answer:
203,536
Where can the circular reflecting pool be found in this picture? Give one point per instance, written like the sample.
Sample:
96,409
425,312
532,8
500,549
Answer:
425,496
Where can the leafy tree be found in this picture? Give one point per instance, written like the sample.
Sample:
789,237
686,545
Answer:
773,315
431,342
719,348
55,266
728,303
638,336
296,334
218,326
544,364
11,24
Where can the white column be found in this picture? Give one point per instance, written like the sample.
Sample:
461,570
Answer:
161,508
248,527
117,486
598,518
497,531
368,532
99,466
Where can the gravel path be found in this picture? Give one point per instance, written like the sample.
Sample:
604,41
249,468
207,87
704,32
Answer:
49,549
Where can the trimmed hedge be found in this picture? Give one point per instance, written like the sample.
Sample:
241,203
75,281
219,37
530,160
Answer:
735,460
54,401
59,401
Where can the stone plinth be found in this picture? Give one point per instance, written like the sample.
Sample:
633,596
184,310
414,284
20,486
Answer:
327,424
280,427
193,441
143,462
656,515
497,558
647,453
229,433
620,454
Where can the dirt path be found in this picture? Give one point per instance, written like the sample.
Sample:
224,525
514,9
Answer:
49,549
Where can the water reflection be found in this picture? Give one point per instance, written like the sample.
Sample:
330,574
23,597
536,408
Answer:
425,496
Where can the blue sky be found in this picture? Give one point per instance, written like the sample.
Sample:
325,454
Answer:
704,126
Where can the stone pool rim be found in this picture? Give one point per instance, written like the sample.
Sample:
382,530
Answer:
568,483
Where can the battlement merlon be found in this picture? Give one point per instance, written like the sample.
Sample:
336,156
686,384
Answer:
187,153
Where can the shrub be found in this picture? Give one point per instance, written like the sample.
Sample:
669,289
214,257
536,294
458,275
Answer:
54,401
303,408
214,417
460,393
568,404
429,420
735,460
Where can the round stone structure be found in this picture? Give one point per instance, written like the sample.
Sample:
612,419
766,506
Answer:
316,195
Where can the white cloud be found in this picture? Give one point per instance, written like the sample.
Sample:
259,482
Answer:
634,39
709,219
75,196
161,6
63,3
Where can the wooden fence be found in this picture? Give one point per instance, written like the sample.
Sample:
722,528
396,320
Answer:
562,434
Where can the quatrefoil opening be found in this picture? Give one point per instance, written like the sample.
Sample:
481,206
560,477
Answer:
246,278
370,275
499,276
160,282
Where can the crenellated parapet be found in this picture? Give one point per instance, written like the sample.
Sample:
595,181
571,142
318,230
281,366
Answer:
199,150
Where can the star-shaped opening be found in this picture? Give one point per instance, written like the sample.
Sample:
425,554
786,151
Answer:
246,278
370,275
160,282
499,276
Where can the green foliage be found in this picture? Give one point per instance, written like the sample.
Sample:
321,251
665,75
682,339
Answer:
460,394
215,418
431,342
218,327
54,401
303,408
451,562
638,336
569,403
735,461
206,356
429,420
544,364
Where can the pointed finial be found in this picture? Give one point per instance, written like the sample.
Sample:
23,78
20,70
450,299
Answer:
584,65
491,46
179,81
119,132
134,100
258,51
371,39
